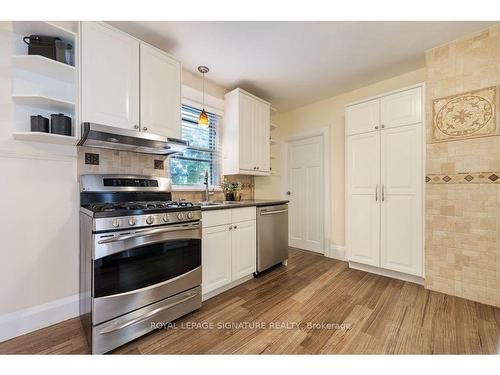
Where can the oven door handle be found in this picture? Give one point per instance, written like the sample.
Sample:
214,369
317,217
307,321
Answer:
148,233
115,327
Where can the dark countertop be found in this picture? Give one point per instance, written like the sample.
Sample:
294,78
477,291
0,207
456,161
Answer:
245,203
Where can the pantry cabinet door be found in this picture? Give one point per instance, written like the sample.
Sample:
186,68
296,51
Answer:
401,213
109,76
216,258
401,108
246,133
363,117
160,93
244,240
363,198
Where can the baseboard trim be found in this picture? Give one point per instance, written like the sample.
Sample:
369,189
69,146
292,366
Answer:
336,252
23,321
226,287
388,273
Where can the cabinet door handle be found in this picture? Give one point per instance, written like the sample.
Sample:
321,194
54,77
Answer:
231,227
376,127
376,193
235,227
383,126
145,128
136,126
383,192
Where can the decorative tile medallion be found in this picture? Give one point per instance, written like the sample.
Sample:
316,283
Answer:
464,178
468,115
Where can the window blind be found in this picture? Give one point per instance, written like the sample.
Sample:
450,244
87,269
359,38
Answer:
202,154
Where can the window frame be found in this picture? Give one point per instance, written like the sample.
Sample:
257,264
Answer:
194,103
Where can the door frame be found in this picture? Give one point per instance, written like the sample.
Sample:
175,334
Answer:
285,141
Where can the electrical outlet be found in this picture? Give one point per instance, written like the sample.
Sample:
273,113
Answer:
159,164
92,159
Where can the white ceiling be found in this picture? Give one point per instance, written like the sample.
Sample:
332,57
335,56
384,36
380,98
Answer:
295,63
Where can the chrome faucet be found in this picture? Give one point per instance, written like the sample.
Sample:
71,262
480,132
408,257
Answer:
205,182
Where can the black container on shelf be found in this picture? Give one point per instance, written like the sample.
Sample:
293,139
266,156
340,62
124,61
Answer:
60,124
39,124
41,45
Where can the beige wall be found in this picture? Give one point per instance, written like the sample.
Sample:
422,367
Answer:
329,113
463,218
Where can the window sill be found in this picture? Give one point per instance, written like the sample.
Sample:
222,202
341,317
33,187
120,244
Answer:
195,188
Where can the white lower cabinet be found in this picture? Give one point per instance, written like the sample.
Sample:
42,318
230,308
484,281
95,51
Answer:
216,258
243,249
229,244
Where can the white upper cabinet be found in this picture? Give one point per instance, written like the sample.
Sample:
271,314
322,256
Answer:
127,83
246,144
160,93
109,76
401,108
363,117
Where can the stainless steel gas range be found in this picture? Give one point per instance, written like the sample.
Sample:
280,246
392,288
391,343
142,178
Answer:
140,257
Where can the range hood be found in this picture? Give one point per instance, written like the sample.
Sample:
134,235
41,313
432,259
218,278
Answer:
110,137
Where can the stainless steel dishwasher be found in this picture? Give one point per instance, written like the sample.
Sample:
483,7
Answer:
272,236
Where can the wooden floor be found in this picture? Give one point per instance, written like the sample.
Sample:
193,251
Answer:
374,314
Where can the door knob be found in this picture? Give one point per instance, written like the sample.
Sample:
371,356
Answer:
288,193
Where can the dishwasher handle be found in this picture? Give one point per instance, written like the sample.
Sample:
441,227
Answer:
273,212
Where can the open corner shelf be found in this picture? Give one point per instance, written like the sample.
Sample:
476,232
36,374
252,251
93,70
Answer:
273,126
45,66
44,28
40,101
45,138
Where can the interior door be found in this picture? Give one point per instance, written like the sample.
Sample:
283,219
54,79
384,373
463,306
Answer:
363,189
247,132
110,76
363,117
305,187
401,214
243,245
401,108
216,258
160,93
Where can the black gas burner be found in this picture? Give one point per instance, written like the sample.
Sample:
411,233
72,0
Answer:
123,208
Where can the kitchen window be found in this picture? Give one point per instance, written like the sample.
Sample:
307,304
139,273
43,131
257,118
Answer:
188,168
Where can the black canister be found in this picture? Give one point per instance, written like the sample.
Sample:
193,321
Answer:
39,124
60,124
41,45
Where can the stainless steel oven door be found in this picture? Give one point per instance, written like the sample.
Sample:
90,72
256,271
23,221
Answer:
134,269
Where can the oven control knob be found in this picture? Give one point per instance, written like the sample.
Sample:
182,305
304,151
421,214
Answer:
165,218
132,221
149,220
190,215
116,223
180,216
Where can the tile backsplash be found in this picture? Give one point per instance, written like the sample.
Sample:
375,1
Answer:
124,162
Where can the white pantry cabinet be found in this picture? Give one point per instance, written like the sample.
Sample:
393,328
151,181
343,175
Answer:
385,182
109,76
229,244
160,93
127,83
246,134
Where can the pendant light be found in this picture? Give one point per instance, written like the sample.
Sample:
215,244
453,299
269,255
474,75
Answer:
203,119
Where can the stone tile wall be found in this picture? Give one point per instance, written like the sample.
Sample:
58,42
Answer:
123,162
462,244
